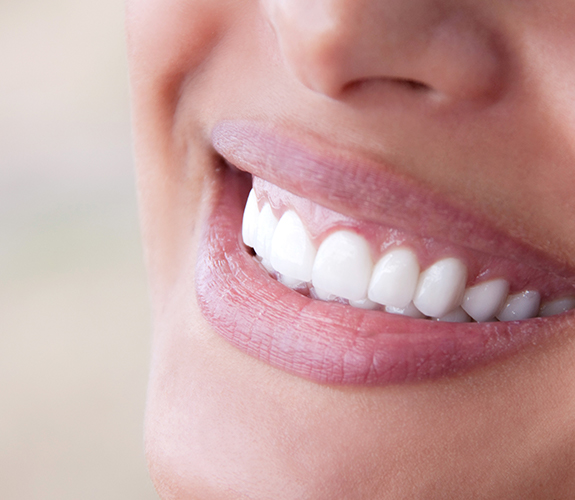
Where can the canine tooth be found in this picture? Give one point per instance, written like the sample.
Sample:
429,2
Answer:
440,287
363,304
456,316
343,265
250,220
410,310
483,301
394,278
557,306
292,251
267,223
519,306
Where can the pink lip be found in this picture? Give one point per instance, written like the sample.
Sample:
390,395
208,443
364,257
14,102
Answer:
328,342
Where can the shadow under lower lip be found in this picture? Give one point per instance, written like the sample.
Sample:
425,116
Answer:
327,342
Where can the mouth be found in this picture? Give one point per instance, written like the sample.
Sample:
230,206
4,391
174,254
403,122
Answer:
342,272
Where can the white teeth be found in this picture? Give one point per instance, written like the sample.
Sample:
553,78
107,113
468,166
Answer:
267,265
318,293
483,301
342,270
456,316
250,221
441,287
363,304
410,310
343,265
292,251
557,306
394,278
292,283
267,223
519,306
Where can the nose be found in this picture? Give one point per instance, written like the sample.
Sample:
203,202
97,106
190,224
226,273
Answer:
436,45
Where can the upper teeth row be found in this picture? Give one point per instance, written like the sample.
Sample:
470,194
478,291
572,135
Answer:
342,268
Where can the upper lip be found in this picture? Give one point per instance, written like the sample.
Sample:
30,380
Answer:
367,190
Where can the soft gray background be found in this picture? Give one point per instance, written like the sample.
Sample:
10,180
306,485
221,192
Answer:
74,318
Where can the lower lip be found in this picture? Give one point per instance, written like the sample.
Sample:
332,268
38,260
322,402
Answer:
328,342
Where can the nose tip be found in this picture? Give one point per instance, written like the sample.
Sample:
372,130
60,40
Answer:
329,45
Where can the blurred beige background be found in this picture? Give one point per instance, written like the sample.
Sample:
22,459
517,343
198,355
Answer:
74,319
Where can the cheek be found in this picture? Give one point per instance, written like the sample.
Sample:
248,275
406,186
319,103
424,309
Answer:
170,38
168,43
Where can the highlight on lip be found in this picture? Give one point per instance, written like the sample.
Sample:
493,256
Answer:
341,267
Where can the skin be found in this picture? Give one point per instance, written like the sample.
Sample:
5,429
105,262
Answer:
489,124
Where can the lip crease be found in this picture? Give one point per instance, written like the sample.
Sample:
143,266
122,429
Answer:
330,342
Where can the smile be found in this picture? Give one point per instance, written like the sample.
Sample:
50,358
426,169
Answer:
335,262
316,298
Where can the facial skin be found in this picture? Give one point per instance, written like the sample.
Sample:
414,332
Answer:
489,124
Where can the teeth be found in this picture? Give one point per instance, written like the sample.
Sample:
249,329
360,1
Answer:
267,223
441,287
266,264
343,265
557,306
250,221
410,310
342,270
363,304
318,293
519,306
483,301
292,251
394,278
456,316
292,283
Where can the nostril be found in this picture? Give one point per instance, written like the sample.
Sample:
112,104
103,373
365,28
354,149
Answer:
413,84
406,84
389,47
